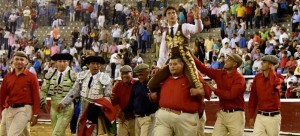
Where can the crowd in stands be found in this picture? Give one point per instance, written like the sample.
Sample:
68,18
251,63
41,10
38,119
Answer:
122,33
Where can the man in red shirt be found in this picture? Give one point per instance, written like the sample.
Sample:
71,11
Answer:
249,14
179,103
256,38
265,98
20,89
120,97
231,87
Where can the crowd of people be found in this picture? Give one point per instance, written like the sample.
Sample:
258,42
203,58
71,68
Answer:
114,39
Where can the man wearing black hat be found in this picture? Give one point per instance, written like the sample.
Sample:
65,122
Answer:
231,86
90,85
19,96
265,99
56,85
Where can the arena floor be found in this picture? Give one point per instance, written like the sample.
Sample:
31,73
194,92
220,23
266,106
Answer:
44,129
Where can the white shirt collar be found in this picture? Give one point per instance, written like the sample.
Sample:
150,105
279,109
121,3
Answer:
94,76
175,25
64,72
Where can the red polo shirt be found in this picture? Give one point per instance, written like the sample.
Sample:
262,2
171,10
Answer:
231,86
122,92
265,93
21,89
175,94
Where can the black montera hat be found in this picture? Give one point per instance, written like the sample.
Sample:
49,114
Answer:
90,59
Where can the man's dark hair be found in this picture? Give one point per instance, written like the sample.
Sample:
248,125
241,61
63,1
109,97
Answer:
177,58
215,58
291,72
169,8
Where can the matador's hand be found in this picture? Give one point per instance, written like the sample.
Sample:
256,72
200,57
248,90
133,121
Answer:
196,11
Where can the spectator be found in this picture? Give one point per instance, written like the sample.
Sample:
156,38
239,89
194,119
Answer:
72,12
48,40
224,11
77,11
233,7
221,62
229,31
26,14
33,27
291,64
257,16
257,38
283,35
119,8
237,48
273,11
86,17
206,24
47,52
139,59
268,49
240,28
290,77
249,14
93,18
264,33
144,36
13,21
36,65
265,14
234,39
216,47
104,50
225,50
243,41
247,66
55,33
101,20
11,41
213,16
256,67
116,33
54,49
29,49
282,63
214,63
200,49
290,93
297,54
257,53
190,17
295,20
240,12
223,24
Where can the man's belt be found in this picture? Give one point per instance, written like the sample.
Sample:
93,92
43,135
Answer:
231,110
129,116
142,115
171,110
273,113
18,105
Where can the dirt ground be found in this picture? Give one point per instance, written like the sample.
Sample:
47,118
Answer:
44,129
